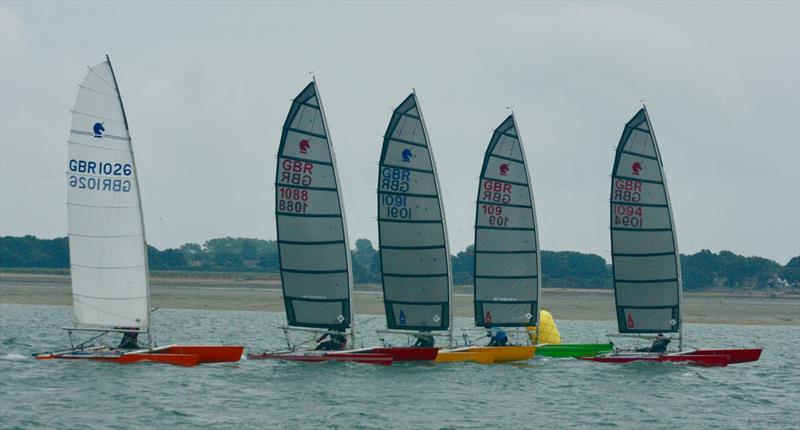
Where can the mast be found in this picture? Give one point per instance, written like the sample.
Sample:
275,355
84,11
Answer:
150,335
444,227
351,290
674,233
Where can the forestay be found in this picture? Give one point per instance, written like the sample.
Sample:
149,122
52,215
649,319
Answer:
312,236
415,261
647,276
507,282
106,231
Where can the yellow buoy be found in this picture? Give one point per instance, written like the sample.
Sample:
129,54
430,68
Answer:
547,333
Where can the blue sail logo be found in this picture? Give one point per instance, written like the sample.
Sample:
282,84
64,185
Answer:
402,317
98,130
407,155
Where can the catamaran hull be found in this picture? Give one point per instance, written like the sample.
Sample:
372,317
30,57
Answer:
403,353
487,354
735,356
178,355
574,350
313,357
697,360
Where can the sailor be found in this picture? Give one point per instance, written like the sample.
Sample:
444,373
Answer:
129,340
337,341
425,340
497,337
659,345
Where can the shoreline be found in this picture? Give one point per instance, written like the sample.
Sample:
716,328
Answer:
265,295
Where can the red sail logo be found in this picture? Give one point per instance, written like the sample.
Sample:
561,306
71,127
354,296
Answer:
488,319
304,145
503,169
630,321
636,168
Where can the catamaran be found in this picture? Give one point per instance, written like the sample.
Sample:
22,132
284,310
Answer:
507,282
108,257
415,258
315,266
644,251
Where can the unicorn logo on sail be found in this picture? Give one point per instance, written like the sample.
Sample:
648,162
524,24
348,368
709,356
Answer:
304,145
98,130
636,168
407,155
503,169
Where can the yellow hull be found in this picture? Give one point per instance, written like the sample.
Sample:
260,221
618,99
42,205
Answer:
486,354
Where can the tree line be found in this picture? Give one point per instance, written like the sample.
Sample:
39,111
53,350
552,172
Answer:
564,269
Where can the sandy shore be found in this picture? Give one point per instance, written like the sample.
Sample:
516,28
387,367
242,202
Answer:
265,295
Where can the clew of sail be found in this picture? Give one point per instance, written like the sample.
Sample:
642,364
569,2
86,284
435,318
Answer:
312,236
106,230
415,263
507,282
644,251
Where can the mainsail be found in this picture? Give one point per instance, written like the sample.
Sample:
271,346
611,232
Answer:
106,231
312,234
644,249
415,259
507,281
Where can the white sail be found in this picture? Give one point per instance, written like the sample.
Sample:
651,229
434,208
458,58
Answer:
507,261
312,235
415,259
644,251
106,231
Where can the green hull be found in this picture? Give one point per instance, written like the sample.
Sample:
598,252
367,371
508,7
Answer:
574,350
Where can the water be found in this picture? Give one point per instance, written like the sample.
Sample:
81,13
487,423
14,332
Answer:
542,393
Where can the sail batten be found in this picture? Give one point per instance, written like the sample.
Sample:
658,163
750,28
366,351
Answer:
415,258
507,261
644,252
316,276
106,230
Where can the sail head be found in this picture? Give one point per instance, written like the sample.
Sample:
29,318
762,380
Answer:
415,263
507,281
312,237
644,251
106,231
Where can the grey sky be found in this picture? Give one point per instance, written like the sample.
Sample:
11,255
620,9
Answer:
207,86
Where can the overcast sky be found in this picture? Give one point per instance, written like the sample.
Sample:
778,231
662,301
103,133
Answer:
207,86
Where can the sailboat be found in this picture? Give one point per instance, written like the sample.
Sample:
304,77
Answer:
644,250
108,257
507,261
313,247
416,270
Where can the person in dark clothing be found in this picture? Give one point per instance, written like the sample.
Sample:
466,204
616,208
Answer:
497,337
129,340
337,342
425,340
659,345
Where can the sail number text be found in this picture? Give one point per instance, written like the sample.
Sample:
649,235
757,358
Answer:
82,175
627,191
396,206
496,192
394,179
495,215
628,216
292,200
296,172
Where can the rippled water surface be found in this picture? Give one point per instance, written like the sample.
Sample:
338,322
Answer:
541,393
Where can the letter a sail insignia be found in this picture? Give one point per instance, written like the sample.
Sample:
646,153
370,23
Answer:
488,319
402,317
630,321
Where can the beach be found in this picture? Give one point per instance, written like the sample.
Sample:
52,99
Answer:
264,294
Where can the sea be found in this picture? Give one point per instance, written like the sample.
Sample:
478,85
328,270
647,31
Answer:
266,394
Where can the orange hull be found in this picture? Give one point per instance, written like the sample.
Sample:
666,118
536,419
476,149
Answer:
179,355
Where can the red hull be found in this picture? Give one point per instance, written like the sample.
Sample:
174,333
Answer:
734,355
404,353
381,359
694,359
209,353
